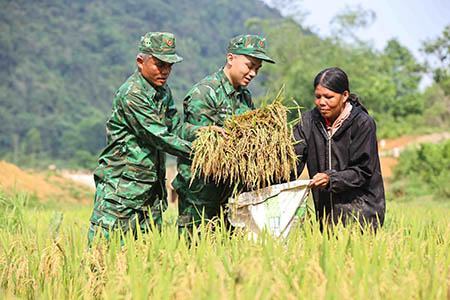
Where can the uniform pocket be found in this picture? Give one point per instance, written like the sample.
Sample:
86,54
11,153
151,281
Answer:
139,173
112,214
135,183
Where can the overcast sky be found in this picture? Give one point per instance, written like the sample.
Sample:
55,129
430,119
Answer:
411,21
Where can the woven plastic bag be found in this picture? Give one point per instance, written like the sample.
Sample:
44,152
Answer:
274,209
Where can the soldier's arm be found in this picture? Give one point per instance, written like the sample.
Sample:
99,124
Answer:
145,122
199,111
173,119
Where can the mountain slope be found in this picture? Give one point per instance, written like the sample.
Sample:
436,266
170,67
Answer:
61,61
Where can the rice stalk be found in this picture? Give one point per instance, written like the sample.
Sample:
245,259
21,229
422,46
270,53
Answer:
258,149
52,260
97,271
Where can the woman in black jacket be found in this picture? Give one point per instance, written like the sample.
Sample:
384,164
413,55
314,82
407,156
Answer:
337,140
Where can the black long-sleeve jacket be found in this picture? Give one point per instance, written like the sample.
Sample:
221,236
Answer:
350,158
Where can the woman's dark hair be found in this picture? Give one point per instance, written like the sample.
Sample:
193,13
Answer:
336,80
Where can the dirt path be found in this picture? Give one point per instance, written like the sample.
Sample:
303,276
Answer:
84,178
390,149
87,179
50,185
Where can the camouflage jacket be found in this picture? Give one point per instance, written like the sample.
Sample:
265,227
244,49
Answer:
210,102
139,131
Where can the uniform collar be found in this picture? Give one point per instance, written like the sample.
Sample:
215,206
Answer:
227,86
147,87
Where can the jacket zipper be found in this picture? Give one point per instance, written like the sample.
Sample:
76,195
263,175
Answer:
329,136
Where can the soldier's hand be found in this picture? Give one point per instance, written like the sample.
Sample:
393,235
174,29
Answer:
215,128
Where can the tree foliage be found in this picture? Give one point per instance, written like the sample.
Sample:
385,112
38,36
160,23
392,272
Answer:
424,171
387,81
61,62
439,50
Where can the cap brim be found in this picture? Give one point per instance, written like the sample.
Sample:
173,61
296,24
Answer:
169,58
262,57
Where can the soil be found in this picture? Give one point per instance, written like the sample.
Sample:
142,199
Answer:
387,166
44,185
391,148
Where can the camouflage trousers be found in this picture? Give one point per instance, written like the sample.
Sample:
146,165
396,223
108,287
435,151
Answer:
199,201
112,213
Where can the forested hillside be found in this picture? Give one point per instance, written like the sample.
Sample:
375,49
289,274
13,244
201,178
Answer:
61,61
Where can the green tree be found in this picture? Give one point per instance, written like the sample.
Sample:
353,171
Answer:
404,74
347,23
62,61
439,61
33,145
386,81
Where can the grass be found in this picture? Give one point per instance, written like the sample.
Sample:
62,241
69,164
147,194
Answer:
46,257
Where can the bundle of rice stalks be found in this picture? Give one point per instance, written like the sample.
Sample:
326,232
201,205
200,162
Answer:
258,149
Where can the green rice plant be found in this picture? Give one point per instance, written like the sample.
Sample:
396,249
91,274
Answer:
406,259
11,210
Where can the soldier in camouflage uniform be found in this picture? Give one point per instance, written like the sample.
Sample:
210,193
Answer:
130,176
210,102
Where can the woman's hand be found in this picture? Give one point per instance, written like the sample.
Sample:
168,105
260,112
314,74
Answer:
320,180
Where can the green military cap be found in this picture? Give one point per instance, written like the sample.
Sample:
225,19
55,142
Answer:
160,45
251,45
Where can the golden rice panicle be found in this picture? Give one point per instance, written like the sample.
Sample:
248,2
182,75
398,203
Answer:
257,151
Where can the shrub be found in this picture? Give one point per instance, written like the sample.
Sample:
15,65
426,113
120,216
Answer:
424,171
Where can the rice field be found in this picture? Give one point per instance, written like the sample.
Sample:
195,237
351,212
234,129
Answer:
44,255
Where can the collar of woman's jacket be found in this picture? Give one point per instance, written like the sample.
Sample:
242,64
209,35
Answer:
320,121
333,127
